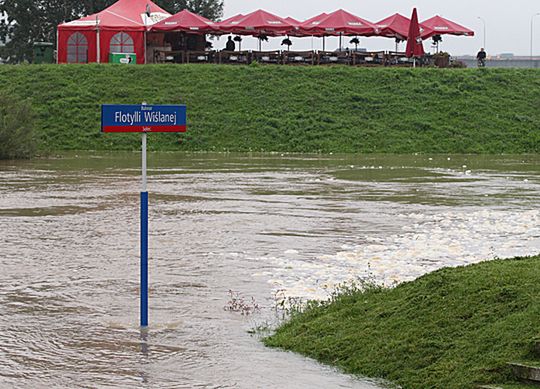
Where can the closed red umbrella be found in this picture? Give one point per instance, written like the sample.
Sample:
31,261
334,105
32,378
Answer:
415,48
438,25
186,21
342,22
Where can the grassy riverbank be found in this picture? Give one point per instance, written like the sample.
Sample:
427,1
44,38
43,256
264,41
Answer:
286,108
449,329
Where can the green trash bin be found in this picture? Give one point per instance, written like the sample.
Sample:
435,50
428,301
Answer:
43,52
123,58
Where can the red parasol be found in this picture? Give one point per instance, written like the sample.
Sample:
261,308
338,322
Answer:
257,23
307,26
415,48
186,21
230,21
293,21
438,25
342,22
397,26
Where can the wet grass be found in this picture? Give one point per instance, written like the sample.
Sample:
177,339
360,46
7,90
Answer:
294,109
450,329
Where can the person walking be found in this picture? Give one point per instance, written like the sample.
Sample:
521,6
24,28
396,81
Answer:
481,58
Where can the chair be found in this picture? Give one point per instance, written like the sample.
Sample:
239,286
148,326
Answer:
200,56
299,57
266,57
234,57
396,58
369,58
333,58
168,56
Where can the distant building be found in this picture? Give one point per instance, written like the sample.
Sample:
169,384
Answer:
506,56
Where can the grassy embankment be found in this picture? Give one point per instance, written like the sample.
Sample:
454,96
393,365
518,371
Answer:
296,109
449,329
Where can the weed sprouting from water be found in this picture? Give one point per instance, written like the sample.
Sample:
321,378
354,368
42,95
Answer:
237,303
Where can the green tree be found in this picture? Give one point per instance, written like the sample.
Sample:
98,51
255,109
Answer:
211,9
29,21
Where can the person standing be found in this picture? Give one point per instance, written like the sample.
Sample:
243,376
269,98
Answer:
230,46
481,58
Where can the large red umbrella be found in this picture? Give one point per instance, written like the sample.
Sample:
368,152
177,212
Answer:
438,25
294,22
186,21
415,48
397,26
342,22
307,26
230,21
257,23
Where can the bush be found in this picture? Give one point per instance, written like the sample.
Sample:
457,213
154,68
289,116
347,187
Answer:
16,128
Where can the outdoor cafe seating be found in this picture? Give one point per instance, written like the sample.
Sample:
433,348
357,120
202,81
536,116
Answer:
267,57
233,57
368,58
333,58
299,57
200,56
352,58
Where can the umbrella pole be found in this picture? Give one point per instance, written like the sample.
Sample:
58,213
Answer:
323,43
414,62
340,41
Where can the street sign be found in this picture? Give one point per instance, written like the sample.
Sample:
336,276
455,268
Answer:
143,118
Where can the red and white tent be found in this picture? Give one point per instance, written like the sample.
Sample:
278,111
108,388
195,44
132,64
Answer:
121,28
186,21
438,25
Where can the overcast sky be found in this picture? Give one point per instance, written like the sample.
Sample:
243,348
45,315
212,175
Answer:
507,22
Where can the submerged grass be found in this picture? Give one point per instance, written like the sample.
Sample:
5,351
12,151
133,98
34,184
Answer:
450,329
294,109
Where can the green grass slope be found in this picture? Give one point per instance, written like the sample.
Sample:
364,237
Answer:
287,108
449,329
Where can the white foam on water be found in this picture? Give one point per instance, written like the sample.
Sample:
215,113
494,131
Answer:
427,243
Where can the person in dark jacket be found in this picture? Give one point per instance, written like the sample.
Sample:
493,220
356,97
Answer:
230,45
481,58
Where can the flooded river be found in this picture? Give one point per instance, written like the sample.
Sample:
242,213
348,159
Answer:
257,225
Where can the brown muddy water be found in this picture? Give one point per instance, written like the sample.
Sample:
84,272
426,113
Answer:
264,226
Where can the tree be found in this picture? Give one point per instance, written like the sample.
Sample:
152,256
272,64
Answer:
211,9
29,21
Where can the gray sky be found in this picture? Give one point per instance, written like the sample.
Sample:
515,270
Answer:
507,22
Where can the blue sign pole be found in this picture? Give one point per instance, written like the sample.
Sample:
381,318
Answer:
144,238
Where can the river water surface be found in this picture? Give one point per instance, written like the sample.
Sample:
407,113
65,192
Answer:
263,226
